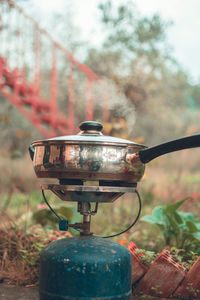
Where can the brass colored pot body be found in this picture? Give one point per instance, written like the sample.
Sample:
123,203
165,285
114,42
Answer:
89,161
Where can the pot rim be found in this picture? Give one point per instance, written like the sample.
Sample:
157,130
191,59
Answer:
95,143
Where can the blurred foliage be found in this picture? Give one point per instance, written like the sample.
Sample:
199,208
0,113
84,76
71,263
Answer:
148,87
179,229
136,56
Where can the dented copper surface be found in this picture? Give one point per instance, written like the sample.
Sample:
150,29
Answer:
88,157
87,161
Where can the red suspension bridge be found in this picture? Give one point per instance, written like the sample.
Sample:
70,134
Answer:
42,79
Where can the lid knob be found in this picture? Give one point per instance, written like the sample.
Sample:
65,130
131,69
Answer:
91,126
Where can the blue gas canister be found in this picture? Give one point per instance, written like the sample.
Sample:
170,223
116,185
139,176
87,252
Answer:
85,268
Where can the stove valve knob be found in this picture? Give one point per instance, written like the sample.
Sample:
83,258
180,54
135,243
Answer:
63,225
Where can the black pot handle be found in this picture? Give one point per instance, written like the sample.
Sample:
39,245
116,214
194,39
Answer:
31,150
187,142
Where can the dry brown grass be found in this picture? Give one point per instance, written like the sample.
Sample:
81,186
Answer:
15,264
20,252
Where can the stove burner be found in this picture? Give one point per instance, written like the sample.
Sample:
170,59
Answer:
85,193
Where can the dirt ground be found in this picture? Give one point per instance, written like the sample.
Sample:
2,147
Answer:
11,292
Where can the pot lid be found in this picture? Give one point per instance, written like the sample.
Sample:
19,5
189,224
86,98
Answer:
90,133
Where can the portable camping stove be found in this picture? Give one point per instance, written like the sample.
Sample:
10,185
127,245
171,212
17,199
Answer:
86,266
90,267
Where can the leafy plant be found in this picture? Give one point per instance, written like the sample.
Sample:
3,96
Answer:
179,228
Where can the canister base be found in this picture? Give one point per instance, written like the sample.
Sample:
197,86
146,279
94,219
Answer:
46,296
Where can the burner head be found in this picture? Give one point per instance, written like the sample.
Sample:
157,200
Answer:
79,191
84,193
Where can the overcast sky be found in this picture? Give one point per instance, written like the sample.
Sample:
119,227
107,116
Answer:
183,35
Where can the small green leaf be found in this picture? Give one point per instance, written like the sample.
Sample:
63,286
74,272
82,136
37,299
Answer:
197,235
158,211
157,216
168,233
191,226
149,219
187,216
173,224
189,236
171,208
178,218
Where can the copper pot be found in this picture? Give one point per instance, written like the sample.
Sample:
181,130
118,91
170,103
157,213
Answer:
90,155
